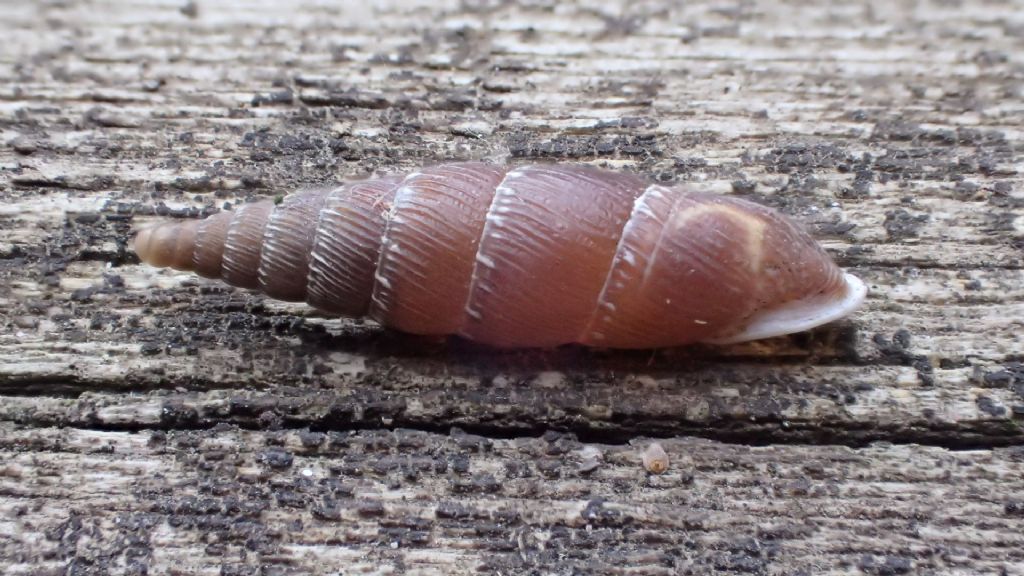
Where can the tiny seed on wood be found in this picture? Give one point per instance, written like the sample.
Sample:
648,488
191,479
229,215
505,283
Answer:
655,459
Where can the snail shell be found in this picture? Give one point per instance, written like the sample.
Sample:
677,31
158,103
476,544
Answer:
530,256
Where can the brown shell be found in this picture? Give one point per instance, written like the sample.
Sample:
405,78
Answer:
528,256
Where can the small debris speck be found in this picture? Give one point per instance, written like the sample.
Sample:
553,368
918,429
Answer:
655,459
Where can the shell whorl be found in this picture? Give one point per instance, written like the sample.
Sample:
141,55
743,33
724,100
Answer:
528,256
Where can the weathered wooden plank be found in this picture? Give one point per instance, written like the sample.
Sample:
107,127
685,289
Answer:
892,130
311,503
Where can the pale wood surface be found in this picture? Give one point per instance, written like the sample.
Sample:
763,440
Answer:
150,421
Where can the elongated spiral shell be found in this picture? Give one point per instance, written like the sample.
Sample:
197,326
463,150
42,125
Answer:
530,256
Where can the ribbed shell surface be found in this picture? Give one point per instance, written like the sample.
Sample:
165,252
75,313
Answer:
243,245
347,247
430,245
545,252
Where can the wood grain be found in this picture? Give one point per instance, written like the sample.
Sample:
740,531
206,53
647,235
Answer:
138,407
301,502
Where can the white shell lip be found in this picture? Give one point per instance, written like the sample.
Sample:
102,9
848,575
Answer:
801,315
